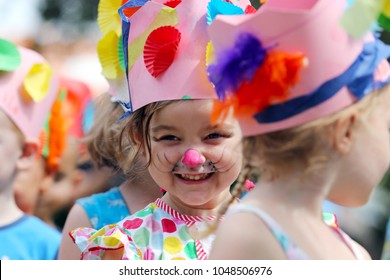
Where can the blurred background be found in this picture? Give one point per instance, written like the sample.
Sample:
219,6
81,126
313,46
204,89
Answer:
66,33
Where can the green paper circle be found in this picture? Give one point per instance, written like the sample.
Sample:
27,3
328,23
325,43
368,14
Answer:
9,56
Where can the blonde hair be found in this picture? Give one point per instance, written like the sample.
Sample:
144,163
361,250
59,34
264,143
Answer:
103,138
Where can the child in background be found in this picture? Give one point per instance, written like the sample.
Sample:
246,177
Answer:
75,175
28,89
318,123
30,182
100,209
168,121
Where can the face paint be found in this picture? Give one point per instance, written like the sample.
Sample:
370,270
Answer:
193,161
193,158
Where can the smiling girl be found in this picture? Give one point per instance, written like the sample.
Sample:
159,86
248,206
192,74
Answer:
193,159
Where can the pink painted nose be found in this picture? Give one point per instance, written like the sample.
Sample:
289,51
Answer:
192,158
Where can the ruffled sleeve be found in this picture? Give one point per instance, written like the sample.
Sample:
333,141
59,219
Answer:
93,243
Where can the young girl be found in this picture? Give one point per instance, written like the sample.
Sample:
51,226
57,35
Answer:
28,89
194,161
318,123
105,208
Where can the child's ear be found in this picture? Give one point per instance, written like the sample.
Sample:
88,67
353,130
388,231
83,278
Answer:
344,132
139,143
29,152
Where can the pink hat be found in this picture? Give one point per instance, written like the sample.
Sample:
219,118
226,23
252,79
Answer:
27,89
165,46
69,115
78,98
292,62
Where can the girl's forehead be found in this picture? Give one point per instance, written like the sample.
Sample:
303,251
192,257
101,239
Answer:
189,113
193,107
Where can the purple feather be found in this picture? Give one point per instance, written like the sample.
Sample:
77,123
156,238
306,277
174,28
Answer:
237,65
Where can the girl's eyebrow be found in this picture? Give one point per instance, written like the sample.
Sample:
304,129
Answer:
161,127
165,127
223,125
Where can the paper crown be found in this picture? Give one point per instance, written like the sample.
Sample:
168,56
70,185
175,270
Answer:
77,108
292,62
164,50
28,87
53,134
71,114
363,15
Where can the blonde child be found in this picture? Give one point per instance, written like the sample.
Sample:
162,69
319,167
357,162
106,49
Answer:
168,120
28,89
104,208
30,182
318,126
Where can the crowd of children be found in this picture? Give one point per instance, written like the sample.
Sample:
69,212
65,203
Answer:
227,127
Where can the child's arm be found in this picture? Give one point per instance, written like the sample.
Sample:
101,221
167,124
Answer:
113,254
77,217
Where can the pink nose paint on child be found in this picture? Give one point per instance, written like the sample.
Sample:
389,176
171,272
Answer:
192,158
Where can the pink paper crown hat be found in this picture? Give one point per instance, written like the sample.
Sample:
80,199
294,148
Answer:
28,88
77,106
53,134
290,63
164,49
71,114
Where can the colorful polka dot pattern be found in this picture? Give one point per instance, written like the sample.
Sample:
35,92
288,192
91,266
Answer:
150,234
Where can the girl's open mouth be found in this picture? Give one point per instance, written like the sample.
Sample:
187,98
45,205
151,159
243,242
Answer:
194,177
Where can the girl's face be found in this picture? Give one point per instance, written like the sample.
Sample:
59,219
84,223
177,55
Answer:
194,161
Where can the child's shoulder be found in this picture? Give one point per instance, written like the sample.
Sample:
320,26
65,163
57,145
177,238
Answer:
248,238
42,232
112,193
41,240
33,226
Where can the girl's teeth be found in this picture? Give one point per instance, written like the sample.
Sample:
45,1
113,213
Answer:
193,177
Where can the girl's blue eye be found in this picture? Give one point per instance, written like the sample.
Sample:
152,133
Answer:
168,138
214,136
